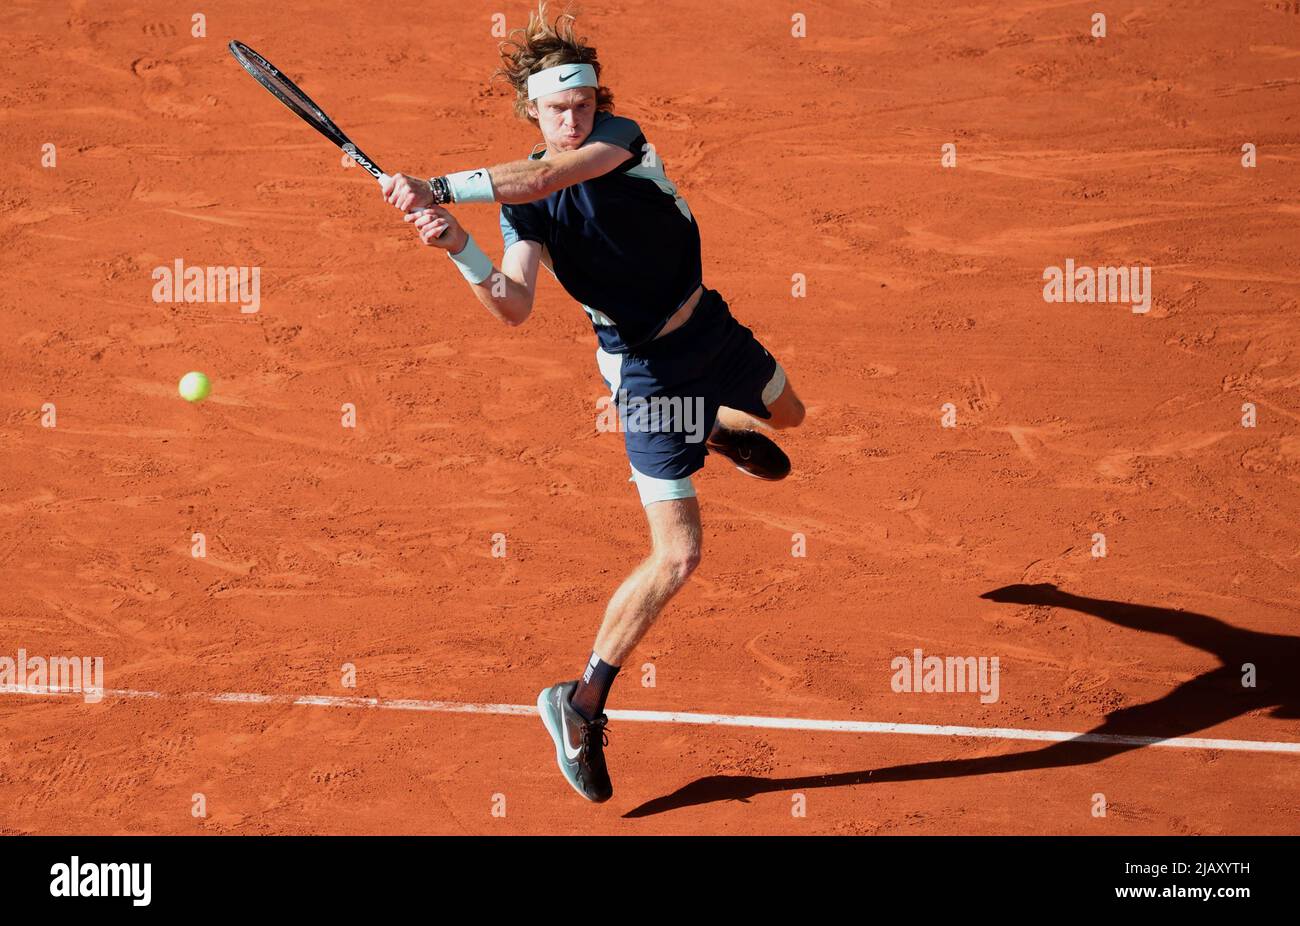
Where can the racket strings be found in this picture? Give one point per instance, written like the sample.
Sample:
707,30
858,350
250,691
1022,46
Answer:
283,88
287,92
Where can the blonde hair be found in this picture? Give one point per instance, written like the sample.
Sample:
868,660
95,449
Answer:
541,45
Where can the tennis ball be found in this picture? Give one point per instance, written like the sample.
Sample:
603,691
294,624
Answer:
194,387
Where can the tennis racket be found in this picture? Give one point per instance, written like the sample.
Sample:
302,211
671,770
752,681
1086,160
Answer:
288,93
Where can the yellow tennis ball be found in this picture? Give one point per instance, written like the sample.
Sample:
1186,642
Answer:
194,387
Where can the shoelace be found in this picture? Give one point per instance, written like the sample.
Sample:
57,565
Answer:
600,722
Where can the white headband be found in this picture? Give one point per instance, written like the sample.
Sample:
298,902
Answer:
564,77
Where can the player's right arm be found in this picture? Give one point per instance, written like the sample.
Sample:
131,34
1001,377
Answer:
506,292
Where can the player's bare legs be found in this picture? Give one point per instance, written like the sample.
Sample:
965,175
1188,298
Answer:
675,534
787,412
674,553
573,711
740,436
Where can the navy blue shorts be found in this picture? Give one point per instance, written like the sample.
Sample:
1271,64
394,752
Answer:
668,391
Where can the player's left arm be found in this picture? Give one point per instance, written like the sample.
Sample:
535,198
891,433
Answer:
514,182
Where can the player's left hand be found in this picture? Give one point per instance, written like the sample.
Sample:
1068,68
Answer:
431,222
408,193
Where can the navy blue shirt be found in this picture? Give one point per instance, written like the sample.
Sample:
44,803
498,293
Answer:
623,244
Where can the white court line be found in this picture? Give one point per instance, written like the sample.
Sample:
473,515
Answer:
718,720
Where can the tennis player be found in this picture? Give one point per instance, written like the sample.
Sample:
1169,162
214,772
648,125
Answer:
593,204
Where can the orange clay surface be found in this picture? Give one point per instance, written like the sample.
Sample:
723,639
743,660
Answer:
371,546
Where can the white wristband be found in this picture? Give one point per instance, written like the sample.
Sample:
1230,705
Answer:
474,265
471,186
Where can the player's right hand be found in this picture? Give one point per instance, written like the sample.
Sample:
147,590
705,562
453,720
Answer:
407,193
432,221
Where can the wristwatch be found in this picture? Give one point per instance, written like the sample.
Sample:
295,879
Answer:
441,191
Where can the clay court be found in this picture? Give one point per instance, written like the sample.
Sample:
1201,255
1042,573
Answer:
372,546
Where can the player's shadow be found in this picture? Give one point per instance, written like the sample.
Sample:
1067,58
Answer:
1202,702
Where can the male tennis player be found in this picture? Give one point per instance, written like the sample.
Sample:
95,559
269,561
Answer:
596,208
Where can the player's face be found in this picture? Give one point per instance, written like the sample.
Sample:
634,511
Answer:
565,118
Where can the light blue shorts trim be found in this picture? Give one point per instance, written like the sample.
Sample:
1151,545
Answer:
652,489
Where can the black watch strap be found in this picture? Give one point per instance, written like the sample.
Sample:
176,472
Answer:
441,191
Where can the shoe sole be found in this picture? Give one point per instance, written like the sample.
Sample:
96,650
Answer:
544,709
747,472
763,478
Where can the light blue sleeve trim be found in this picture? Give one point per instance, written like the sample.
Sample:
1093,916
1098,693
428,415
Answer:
508,233
512,234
